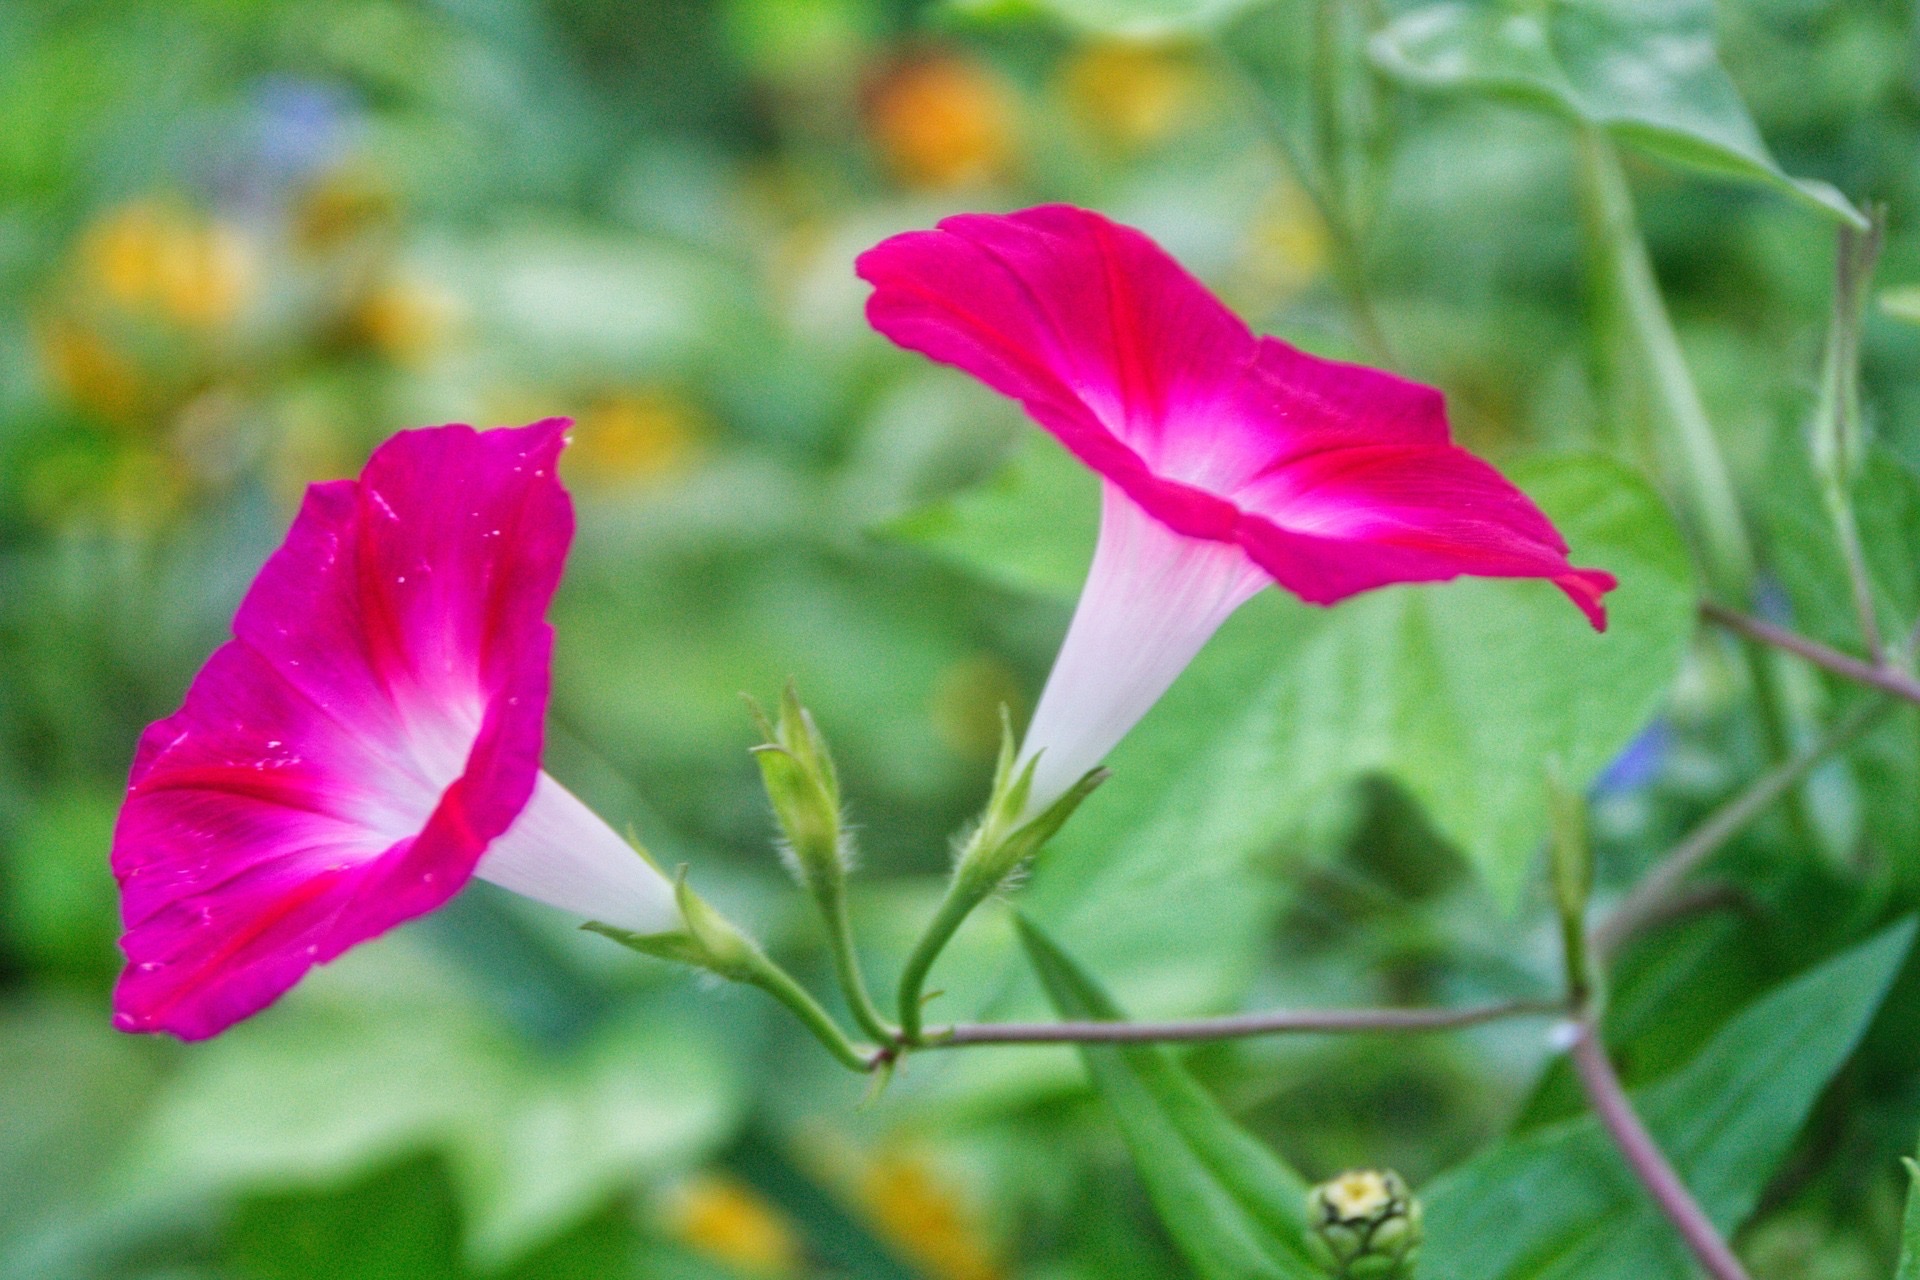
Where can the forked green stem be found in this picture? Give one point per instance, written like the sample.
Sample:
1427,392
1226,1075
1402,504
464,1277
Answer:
963,895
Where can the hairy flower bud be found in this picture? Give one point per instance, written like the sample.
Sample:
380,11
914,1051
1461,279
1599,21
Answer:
1364,1225
804,789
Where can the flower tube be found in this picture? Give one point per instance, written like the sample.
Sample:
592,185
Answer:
1228,460
368,741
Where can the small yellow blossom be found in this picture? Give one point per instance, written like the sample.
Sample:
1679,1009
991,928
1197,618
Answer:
405,319
340,207
90,371
966,702
730,1222
1359,1194
1287,243
1134,93
632,437
152,258
926,1218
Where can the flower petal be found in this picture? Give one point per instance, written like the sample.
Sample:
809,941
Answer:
343,763
1346,520
1149,380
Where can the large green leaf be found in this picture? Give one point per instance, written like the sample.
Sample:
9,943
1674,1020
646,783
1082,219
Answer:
1234,1208
381,1056
1560,1203
1647,71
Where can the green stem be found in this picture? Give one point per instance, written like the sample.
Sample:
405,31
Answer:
779,984
1712,504
832,900
1286,1022
1714,507
963,895
1649,899
1348,264
1836,428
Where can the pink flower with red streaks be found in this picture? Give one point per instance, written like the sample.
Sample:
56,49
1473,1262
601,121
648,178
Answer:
368,741
1228,460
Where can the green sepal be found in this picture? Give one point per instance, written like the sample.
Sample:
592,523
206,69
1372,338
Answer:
1909,1266
990,856
705,940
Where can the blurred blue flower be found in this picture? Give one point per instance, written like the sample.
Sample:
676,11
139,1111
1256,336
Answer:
300,125
1639,764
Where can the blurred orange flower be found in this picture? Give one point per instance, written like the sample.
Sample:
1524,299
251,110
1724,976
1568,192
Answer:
941,121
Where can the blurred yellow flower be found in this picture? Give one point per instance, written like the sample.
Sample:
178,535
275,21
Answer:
90,371
1286,245
1130,92
631,437
150,257
966,702
339,207
941,121
925,1217
405,319
730,1222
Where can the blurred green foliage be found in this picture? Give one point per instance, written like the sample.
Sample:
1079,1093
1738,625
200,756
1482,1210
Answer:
243,240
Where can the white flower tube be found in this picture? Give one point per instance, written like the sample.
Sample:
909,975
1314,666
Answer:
563,854
1151,601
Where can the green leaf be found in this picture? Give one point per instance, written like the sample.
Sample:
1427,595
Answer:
1030,527
381,1056
74,1088
1233,1207
1648,71
1909,1268
1136,18
1560,1203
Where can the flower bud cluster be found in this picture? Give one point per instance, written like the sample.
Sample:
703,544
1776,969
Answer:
1364,1225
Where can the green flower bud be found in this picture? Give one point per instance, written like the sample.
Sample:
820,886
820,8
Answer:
804,789
1364,1225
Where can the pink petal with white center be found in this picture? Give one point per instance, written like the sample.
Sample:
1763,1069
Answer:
344,762
1218,434
1230,460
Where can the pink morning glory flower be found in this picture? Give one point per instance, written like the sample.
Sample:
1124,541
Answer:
368,741
1228,460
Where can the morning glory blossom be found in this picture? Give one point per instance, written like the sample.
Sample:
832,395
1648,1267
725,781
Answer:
368,741
1227,460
